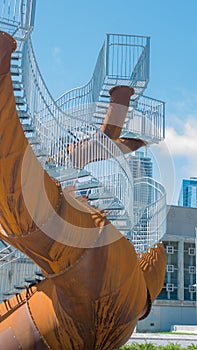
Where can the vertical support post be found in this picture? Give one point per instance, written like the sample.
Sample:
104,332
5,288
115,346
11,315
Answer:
164,126
27,14
148,60
107,54
196,267
181,270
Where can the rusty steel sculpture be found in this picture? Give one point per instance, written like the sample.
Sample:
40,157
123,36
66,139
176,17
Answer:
96,286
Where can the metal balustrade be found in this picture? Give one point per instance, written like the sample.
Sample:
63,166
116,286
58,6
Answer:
149,213
123,60
79,145
15,268
58,131
17,17
127,61
66,137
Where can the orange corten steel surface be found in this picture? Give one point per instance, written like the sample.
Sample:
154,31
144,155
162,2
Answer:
96,288
115,117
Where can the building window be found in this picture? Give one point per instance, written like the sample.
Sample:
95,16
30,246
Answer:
170,249
170,268
170,287
192,288
191,251
192,269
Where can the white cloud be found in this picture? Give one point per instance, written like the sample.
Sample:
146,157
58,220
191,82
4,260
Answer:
183,143
176,157
57,54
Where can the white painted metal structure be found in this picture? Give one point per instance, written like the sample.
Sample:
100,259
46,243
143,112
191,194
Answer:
137,208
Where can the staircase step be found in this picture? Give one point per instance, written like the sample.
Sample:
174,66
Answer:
98,123
112,206
4,252
123,228
99,116
129,135
23,114
117,218
10,293
19,100
41,153
33,140
30,280
105,93
101,104
39,273
17,86
83,173
66,174
87,185
15,70
101,111
102,195
16,55
19,287
28,128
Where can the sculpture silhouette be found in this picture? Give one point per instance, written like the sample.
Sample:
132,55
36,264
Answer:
96,287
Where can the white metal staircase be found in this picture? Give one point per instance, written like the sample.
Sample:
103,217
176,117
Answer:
16,270
136,208
123,60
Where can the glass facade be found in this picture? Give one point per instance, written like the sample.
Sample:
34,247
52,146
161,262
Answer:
141,165
188,193
173,278
189,271
170,287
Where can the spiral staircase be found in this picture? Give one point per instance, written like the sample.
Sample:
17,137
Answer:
135,206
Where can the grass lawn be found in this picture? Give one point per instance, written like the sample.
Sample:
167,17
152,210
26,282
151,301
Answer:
149,346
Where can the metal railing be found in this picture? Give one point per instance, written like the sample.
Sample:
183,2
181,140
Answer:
77,145
14,268
59,133
149,213
127,60
67,135
122,59
17,16
38,97
147,120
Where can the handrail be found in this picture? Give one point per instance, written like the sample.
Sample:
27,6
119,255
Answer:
37,93
93,146
14,268
112,68
17,16
146,117
57,131
149,213
79,100
60,132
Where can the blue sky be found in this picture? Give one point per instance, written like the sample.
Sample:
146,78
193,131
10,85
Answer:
68,36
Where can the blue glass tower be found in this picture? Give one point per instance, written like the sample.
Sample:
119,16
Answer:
188,193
